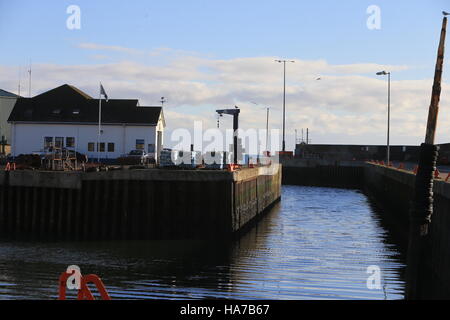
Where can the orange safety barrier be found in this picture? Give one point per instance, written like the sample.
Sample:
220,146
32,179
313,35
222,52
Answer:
448,176
382,163
415,169
84,293
10,166
436,174
401,166
390,164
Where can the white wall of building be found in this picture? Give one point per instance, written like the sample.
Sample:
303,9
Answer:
6,106
29,138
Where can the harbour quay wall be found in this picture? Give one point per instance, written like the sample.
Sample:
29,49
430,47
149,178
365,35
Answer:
134,204
392,189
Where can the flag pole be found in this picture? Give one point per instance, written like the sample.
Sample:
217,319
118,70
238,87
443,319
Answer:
99,123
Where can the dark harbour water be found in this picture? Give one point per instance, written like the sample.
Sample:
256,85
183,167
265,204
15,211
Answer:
316,244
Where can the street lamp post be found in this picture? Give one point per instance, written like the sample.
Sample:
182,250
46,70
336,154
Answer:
383,73
284,99
267,125
267,131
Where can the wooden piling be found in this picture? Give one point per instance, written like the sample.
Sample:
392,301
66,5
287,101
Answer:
3,189
105,209
18,212
114,215
124,211
418,249
96,210
70,209
75,223
85,216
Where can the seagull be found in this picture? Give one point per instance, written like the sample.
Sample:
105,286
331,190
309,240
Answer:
445,13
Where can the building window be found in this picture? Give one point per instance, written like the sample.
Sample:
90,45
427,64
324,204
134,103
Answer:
140,144
48,142
102,147
151,148
59,142
70,142
91,147
110,147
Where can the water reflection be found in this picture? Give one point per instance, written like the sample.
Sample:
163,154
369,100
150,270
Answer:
316,244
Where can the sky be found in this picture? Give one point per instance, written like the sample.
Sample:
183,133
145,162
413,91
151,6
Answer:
208,55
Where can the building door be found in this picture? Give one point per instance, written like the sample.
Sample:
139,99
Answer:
159,145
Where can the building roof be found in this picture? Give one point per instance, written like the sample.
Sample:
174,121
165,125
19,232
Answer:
68,104
4,93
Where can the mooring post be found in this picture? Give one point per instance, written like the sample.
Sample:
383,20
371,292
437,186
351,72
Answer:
422,202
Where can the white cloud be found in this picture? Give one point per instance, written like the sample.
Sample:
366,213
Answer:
102,47
348,104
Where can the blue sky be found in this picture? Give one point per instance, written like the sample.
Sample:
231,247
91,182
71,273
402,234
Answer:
333,30
224,32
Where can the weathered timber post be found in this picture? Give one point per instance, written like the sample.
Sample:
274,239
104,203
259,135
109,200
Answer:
422,203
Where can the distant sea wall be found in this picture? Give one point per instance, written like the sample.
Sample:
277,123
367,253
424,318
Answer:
356,152
323,173
342,152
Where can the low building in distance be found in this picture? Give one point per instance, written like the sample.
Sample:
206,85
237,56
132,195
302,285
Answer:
66,117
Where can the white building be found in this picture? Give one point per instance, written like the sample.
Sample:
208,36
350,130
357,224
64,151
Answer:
7,101
67,117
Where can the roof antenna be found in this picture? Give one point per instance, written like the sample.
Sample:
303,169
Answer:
163,100
29,84
18,93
